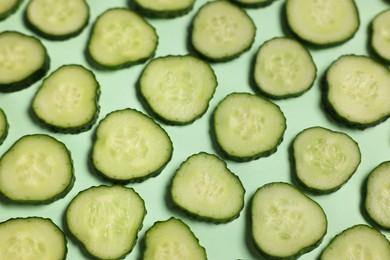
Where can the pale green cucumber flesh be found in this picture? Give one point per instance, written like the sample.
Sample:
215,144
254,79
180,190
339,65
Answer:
380,35
4,126
164,9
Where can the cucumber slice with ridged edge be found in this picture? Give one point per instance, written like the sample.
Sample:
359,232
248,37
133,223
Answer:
106,220
172,239
205,189
177,89
222,31
377,195
284,68
380,35
356,91
252,3
36,169
285,223
57,20
357,242
130,147
247,126
164,8
68,100
120,38
8,7
323,159
322,23
4,126
24,61
32,238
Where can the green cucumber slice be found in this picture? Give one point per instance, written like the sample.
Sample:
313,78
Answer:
106,220
172,239
24,61
323,159
247,127
380,35
284,68
177,89
67,100
8,7
204,188
4,126
36,169
164,9
121,38
130,146
285,223
222,31
57,20
252,3
32,238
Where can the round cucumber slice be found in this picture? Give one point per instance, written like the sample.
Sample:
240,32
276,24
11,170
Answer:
164,9
8,7
380,35
4,126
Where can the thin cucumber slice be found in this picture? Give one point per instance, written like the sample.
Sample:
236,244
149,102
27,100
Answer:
172,239
322,23
359,242
68,100
380,35
8,7
222,31
252,3
284,68
106,220
24,61
323,159
36,169
121,38
130,146
285,223
32,238
177,89
164,8
207,190
378,195
4,126
57,20
247,126
357,91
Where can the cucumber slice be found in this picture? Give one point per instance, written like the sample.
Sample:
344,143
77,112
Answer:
283,68
380,35
172,239
322,23
36,169
32,238
129,147
164,8
204,188
24,61
247,127
222,31
357,91
252,3
8,7
285,222
4,126
57,20
121,38
377,195
359,242
106,220
67,100
177,89
323,159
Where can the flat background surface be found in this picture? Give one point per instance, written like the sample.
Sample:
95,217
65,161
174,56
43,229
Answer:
224,241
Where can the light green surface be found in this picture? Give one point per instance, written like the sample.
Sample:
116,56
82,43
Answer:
224,241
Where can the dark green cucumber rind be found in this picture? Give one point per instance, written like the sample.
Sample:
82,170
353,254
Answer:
252,5
292,257
56,197
293,168
156,114
136,179
194,215
373,51
49,36
327,106
4,134
82,245
151,13
223,59
10,11
76,129
32,78
100,66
